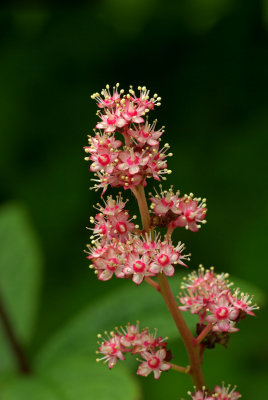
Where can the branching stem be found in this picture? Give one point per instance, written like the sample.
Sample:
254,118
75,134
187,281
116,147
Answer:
152,283
180,369
203,334
187,337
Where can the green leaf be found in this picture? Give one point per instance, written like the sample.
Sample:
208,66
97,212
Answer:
28,388
129,304
20,276
71,379
83,378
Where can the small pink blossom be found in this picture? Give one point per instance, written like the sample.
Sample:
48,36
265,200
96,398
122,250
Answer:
109,263
154,362
144,99
224,393
222,315
164,202
111,350
109,100
220,393
132,161
132,113
138,267
146,134
111,121
243,302
191,213
165,257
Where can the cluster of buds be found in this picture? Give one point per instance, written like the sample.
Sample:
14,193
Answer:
209,295
130,339
138,156
173,210
219,393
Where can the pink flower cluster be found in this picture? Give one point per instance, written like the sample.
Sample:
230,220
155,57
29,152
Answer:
132,340
209,296
186,211
112,221
220,393
138,156
117,250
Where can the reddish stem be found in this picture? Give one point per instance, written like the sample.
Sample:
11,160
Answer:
170,301
203,334
185,332
152,283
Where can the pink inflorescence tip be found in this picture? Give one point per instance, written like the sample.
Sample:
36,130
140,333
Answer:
136,156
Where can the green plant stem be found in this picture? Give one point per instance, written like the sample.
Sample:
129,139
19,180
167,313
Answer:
187,337
19,354
179,368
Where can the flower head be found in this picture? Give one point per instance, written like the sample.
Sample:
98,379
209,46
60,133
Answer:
209,295
130,339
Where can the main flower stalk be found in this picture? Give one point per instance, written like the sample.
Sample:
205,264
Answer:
165,290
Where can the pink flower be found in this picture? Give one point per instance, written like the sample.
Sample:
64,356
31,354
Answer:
138,267
112,207
109,263
220,393
191,213
157,165
146,134
130,335
165,257
131,161
111,350
224,393
111,121
113,221
144,99
222,315
154,362
132,113
243,302
109,100
201,395
163,202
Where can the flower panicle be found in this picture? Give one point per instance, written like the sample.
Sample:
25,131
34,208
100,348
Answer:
210,296
137,155
178,211
119,248
131,339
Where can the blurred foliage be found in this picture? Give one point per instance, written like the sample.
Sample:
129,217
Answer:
209,62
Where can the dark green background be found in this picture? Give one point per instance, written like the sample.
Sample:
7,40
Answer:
208,60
